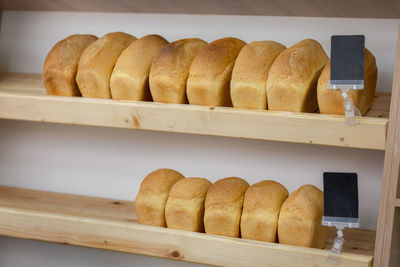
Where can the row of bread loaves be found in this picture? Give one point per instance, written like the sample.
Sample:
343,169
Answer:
230,207
225,72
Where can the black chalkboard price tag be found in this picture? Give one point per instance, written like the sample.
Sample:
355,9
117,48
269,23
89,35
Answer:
341,197
340,207
347,59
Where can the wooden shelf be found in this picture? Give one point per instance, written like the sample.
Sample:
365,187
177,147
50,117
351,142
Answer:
312,8
111,224
22,97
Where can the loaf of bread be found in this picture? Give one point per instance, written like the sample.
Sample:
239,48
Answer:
153,195
223,207
61,64
249,75
331,101
261,207
292,79
97,62
301,217
211,71
170,70
130,77
185,206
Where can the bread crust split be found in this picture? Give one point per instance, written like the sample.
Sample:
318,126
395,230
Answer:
293,77
211,71
185,206
223,206
261,207
250,73
170,70
61,65
130,77
153,195
300,219
97,62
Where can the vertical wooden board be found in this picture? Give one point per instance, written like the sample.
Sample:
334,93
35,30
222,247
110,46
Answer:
390,173
395,246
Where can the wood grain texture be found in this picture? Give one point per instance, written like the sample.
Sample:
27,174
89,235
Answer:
390,176
308,8
111,224
22,97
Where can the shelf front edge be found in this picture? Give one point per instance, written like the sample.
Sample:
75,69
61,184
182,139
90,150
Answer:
320,129
100,223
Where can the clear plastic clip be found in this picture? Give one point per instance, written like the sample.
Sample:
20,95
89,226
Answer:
333,256
350,110
340,223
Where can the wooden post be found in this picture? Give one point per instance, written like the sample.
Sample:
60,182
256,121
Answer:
390,177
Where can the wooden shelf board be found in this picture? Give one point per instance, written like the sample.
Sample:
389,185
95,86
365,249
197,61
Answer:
112,225
397,203
312,8
22,97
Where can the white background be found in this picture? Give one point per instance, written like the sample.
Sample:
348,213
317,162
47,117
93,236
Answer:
112,162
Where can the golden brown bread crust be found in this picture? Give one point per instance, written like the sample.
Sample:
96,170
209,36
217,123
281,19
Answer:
300,218
185,206
170,70
262,203
331,101
249,75
210,73
130,77
292,79
223,206
61,65
97,62
153,194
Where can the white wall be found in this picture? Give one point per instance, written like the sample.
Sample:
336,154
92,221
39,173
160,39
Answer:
112,162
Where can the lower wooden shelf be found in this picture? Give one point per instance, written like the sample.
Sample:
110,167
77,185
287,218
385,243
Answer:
111,224
22,97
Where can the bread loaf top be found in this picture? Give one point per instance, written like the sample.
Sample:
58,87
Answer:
61,64
66,53
259,196
226,191
136,57
99,51
160,181
212,61
254,57
306,203
190,188
176,57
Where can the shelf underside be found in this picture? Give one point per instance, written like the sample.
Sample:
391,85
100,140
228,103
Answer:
312,8
112,225
22,97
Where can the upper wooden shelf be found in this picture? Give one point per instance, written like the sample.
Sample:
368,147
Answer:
22,97
112,225
308,8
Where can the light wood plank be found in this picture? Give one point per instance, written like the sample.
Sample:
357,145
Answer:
398,203
313,8
111,224
390,175
22,97
395,246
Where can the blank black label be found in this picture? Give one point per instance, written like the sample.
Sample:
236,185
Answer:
340,195
347,58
